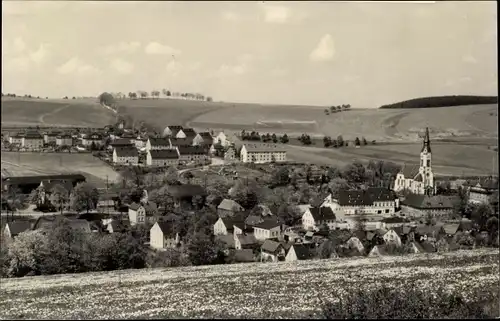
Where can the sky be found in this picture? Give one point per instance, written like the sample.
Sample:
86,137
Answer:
302,53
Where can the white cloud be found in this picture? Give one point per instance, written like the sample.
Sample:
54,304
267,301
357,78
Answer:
324,51
155,48
276,14
122,66
19,45
230,16
469,59
18,64
122,47
232,70
174,68
40,54
77,66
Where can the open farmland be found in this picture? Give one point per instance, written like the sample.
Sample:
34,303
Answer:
374,124
63,113
291,289
31,164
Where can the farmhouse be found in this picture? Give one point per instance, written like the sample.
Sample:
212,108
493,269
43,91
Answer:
32,140
139,213
485,192
314,217
50,138
167,157
391,237
418,179
95,138
162,236
121,143
13,229
245,241
156,143
230,154
171,131
180,142
16,139
125,156
298,252
28,183
267,228
222,139
187,133
225,225
193,153
272,251
64,140
47,187
203,138
422,205
228,207
262,153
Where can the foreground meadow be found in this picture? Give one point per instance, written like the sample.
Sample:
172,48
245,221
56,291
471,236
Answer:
253,290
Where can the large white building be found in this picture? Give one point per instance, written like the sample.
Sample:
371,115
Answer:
262,153
125,156
418,179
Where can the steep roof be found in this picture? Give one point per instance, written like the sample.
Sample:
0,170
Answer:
247,239
270,246
410,170
192,150
302,252
159,141
229,205
47,222
32,135
176,127
261,147
48,185
166,228
269,222
126,152
451,228
394,220
189,132
428,202
121,142
322,213
226,239
379,249
17,227
365,197
181,141
207,138
164,154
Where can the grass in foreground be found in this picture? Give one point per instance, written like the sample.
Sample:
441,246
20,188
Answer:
292,290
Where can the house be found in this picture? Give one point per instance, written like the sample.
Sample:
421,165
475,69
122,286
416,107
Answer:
203,138
121,143
394,221
46,223
64,140
457,183
125,156
180,142
424,247
140,213
48,185
428,233
183,194
484,192
50,138
171,131
140,142
378,250
418,179
32,140
166,157
267,228
162,236
272,251
262,153
451,229
245,241
230,154
422,205
315,217
392,237
222,139
225,225
116,226
157,143
299,252
193,153
13,229
186,133
244,256
355,243
95,138
227,239
228,207
405,233
16,139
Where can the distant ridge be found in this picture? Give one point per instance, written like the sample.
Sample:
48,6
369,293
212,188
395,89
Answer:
442,101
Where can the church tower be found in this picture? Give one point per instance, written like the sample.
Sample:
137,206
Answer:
426,165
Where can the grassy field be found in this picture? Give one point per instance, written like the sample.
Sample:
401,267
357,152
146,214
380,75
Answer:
27,164
255,290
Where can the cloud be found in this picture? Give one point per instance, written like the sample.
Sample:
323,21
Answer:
469,59
276,14
121,47
77,66
155,48
230,16
122,66
18,64
23,60
232,70
324,51
40,54
174,68
19,45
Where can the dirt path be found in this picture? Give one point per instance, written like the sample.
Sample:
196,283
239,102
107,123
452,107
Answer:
42,117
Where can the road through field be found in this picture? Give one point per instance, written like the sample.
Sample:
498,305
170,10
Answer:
42,117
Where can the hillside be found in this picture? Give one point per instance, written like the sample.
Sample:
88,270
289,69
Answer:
255,290
443,101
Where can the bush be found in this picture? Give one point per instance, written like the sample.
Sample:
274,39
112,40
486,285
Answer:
409,303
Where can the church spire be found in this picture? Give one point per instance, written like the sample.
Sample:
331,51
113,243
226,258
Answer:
427,141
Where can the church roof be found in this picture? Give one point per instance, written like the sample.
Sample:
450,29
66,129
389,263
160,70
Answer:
410,171
427,141
419,178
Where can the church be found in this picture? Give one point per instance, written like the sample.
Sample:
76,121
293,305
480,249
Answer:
418,179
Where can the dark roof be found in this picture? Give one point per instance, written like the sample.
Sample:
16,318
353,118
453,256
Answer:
47,222
192,150
253,219
268,223
158,141
64,136
365,197
189,132
428,230
382,249
205,135
166,228
121,142
40,178
247,239
52,134
164,154
244,255
394,219
48,185
322,213
270,246
419,178
229,222
96,136
451,228
319,199
410,170
402,230
150,207
303,252
126,152
32,135
428,202
17,227
186,190
226,239
181,142
176,127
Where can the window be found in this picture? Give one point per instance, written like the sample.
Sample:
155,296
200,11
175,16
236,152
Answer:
387,211
428,163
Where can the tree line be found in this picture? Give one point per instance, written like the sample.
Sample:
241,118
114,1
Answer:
443,101
110,98
337,109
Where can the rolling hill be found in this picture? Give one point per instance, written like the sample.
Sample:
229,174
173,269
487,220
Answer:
443,101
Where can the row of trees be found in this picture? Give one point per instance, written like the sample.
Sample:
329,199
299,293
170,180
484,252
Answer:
155,94
337,109
256,136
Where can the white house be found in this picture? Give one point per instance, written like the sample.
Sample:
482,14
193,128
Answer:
171,131
156,143
95,138
418,179
166,157
223,226
139,213
64,140
32,140
125,156
12,229
162,236
193,153
272,251
221,138
314,217
16,139
391,237
262,153
50,137
268,227
187,133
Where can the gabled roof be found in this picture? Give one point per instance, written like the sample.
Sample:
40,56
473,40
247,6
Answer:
262,148
394,220
428,202
427,229
451,229
252,220
176,127
17,227
365,197
149,207
192,150
207,137
410,170
270,246
166,228
48,185
322,213
269,222
164,154
247,239
121,142
419,178
126,152
32,135
181,141
229,205
189,132
47,222
402,230
226,239
302,252
158,141
382,249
